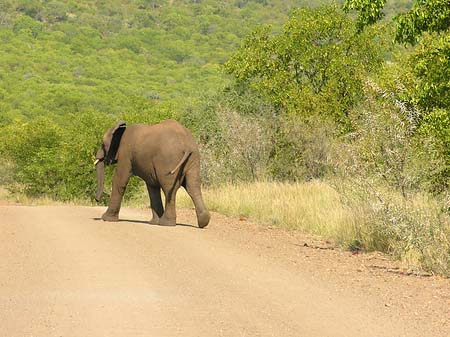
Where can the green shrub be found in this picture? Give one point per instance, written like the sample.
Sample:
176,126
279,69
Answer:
27,25
434,150
302,149
234,146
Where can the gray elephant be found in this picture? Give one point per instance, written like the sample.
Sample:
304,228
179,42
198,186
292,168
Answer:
164,155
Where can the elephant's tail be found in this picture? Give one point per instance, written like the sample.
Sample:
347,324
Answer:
185,157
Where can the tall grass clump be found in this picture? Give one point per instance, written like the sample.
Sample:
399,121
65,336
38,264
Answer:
415,229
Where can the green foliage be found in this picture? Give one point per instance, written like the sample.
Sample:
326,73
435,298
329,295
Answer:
430,67
437,124
369,11
434,150
314,67
427,86
424,81
312,74
32,148
234,134
31,8
425,16
28,26
382,148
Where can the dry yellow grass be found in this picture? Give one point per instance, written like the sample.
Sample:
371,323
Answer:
312,207
23,199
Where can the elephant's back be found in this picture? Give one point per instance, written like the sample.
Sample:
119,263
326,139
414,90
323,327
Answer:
167,131
174,132
166,127
167,142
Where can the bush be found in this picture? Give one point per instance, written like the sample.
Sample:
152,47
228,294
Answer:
434,150
31,147
302,149
52,159
27,25
235,145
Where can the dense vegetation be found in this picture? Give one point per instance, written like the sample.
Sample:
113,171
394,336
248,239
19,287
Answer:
280,91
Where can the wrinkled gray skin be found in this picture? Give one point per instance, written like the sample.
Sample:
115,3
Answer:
164,155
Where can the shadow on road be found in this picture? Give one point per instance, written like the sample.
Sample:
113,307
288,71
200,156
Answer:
147,223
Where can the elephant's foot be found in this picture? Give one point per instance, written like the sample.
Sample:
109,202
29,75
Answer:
110,217
155,217
164,221
203,219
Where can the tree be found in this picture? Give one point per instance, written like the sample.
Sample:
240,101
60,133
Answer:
424,16
426,27
370,11
315,66
430,67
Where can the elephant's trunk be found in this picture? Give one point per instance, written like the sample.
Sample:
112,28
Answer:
100,167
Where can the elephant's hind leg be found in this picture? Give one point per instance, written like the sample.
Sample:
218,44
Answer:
193,188
170,189
155,203
169,217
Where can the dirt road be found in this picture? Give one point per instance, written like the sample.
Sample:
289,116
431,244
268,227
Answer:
65,273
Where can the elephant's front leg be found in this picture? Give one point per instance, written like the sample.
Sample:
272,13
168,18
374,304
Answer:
155,203
121,177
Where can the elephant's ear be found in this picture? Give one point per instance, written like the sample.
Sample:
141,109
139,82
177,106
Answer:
117,133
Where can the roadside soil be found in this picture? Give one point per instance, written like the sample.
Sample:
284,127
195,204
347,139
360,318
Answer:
64,272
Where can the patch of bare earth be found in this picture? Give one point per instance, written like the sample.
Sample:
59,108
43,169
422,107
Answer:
422,298
63,272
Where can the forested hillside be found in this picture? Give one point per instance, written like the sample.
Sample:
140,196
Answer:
353,94
61,57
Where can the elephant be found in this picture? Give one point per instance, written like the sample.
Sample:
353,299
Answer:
164,155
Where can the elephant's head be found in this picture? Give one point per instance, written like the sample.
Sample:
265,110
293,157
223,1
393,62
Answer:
107,154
